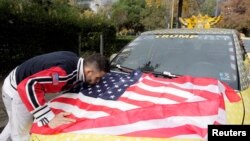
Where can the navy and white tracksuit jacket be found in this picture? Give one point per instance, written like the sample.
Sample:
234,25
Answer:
49,73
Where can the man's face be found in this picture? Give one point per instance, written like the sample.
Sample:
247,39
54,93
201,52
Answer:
93,76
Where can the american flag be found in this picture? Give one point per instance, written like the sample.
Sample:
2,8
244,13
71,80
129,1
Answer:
142,105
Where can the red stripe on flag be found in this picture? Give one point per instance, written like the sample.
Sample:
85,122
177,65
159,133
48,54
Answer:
166,95
171,132
201,81
231,94
86,106
203,93
147,113
136,102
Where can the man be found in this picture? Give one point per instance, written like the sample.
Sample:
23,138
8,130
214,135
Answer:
24,88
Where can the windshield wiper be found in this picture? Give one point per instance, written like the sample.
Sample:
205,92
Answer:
163,74
122,68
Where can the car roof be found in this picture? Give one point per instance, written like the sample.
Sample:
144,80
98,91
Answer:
191,31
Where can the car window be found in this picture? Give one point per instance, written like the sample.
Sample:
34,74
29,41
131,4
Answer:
183,54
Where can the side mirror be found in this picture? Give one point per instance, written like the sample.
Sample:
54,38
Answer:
112,57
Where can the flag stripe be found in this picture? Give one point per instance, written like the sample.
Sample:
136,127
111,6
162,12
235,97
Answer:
139,97
157,94
98,101
86,106
205,93
170,132
163,89
151,124
184,80
154,108
211,85
76,111
136,102
135,116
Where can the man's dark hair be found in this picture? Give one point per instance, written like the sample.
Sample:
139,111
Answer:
100,62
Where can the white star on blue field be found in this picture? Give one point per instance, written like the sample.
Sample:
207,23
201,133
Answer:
112,86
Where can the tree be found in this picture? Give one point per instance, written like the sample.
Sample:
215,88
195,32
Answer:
149,3
126,14
156,3
32,27
208,7
154,18
236,10
195,7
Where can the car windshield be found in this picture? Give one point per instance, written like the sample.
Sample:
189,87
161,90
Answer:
183,54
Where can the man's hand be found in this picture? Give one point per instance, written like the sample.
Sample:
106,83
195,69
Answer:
60,119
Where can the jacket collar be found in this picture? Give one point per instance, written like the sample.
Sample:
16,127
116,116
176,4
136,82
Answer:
80,74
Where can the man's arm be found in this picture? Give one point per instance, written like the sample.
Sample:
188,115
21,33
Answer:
33,88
